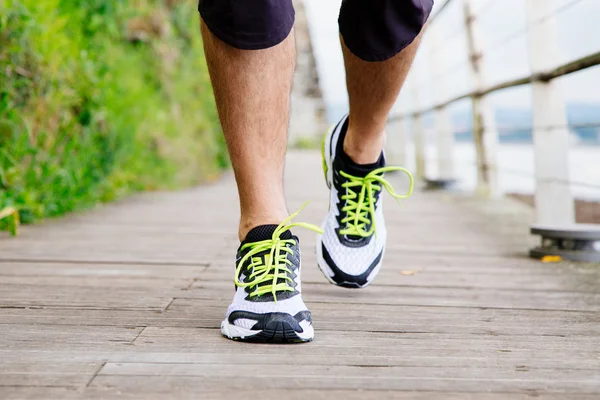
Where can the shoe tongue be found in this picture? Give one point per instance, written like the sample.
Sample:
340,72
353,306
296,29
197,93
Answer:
359,170
265,232
346,164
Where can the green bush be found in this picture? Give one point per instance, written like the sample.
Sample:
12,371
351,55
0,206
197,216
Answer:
101,98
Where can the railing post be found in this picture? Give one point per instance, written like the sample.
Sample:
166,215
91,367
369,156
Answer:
443,120
553,199
485,133
396,142
418,135
445,144
419,141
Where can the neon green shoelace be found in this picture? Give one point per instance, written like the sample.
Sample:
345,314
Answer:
269,273
360,199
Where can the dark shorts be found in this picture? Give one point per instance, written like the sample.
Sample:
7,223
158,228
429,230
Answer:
373,30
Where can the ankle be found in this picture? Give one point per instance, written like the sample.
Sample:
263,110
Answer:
363,147
247,223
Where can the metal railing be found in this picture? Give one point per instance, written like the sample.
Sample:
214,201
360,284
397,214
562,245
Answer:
570,67
554,201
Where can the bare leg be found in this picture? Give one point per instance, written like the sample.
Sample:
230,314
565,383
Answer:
252,91
372,88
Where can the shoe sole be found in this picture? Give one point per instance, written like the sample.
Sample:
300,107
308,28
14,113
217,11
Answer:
325,158
279,332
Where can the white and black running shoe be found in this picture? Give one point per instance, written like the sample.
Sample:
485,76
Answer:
268,306
351,249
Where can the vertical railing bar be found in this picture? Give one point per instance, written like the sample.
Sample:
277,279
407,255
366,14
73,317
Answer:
553,199
485,134
442,118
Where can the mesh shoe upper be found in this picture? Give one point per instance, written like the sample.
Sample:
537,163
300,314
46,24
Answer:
267,305
288,301
352,246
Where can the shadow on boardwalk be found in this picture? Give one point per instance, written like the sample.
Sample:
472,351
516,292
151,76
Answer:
126,301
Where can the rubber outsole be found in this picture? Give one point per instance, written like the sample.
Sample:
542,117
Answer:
279,332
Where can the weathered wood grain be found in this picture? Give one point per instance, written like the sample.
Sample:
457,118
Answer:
83,297
23,337
52,373
99,270
192,393
521,298
200,313
507,383
416,356
125,301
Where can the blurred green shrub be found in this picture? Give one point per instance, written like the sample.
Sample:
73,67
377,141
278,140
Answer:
101,98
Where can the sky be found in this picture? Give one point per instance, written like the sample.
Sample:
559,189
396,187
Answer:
578,31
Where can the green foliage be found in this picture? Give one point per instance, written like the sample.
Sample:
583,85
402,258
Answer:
100,98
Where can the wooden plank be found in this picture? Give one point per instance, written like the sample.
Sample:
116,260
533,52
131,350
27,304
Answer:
198,313
115,391
83,297
191,313
416,319
383,344
49,373
224,354
351,372
401,382
87,270
427,296
155,248
115,282
203,316
426,274
21,337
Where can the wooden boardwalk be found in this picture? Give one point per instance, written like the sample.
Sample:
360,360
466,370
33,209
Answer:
125,302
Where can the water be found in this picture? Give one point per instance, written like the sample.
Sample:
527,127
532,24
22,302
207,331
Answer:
516,168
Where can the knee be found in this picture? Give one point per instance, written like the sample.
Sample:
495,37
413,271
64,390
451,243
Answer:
378,30
248,24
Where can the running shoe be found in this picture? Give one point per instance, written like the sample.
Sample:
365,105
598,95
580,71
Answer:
268,305
351,249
